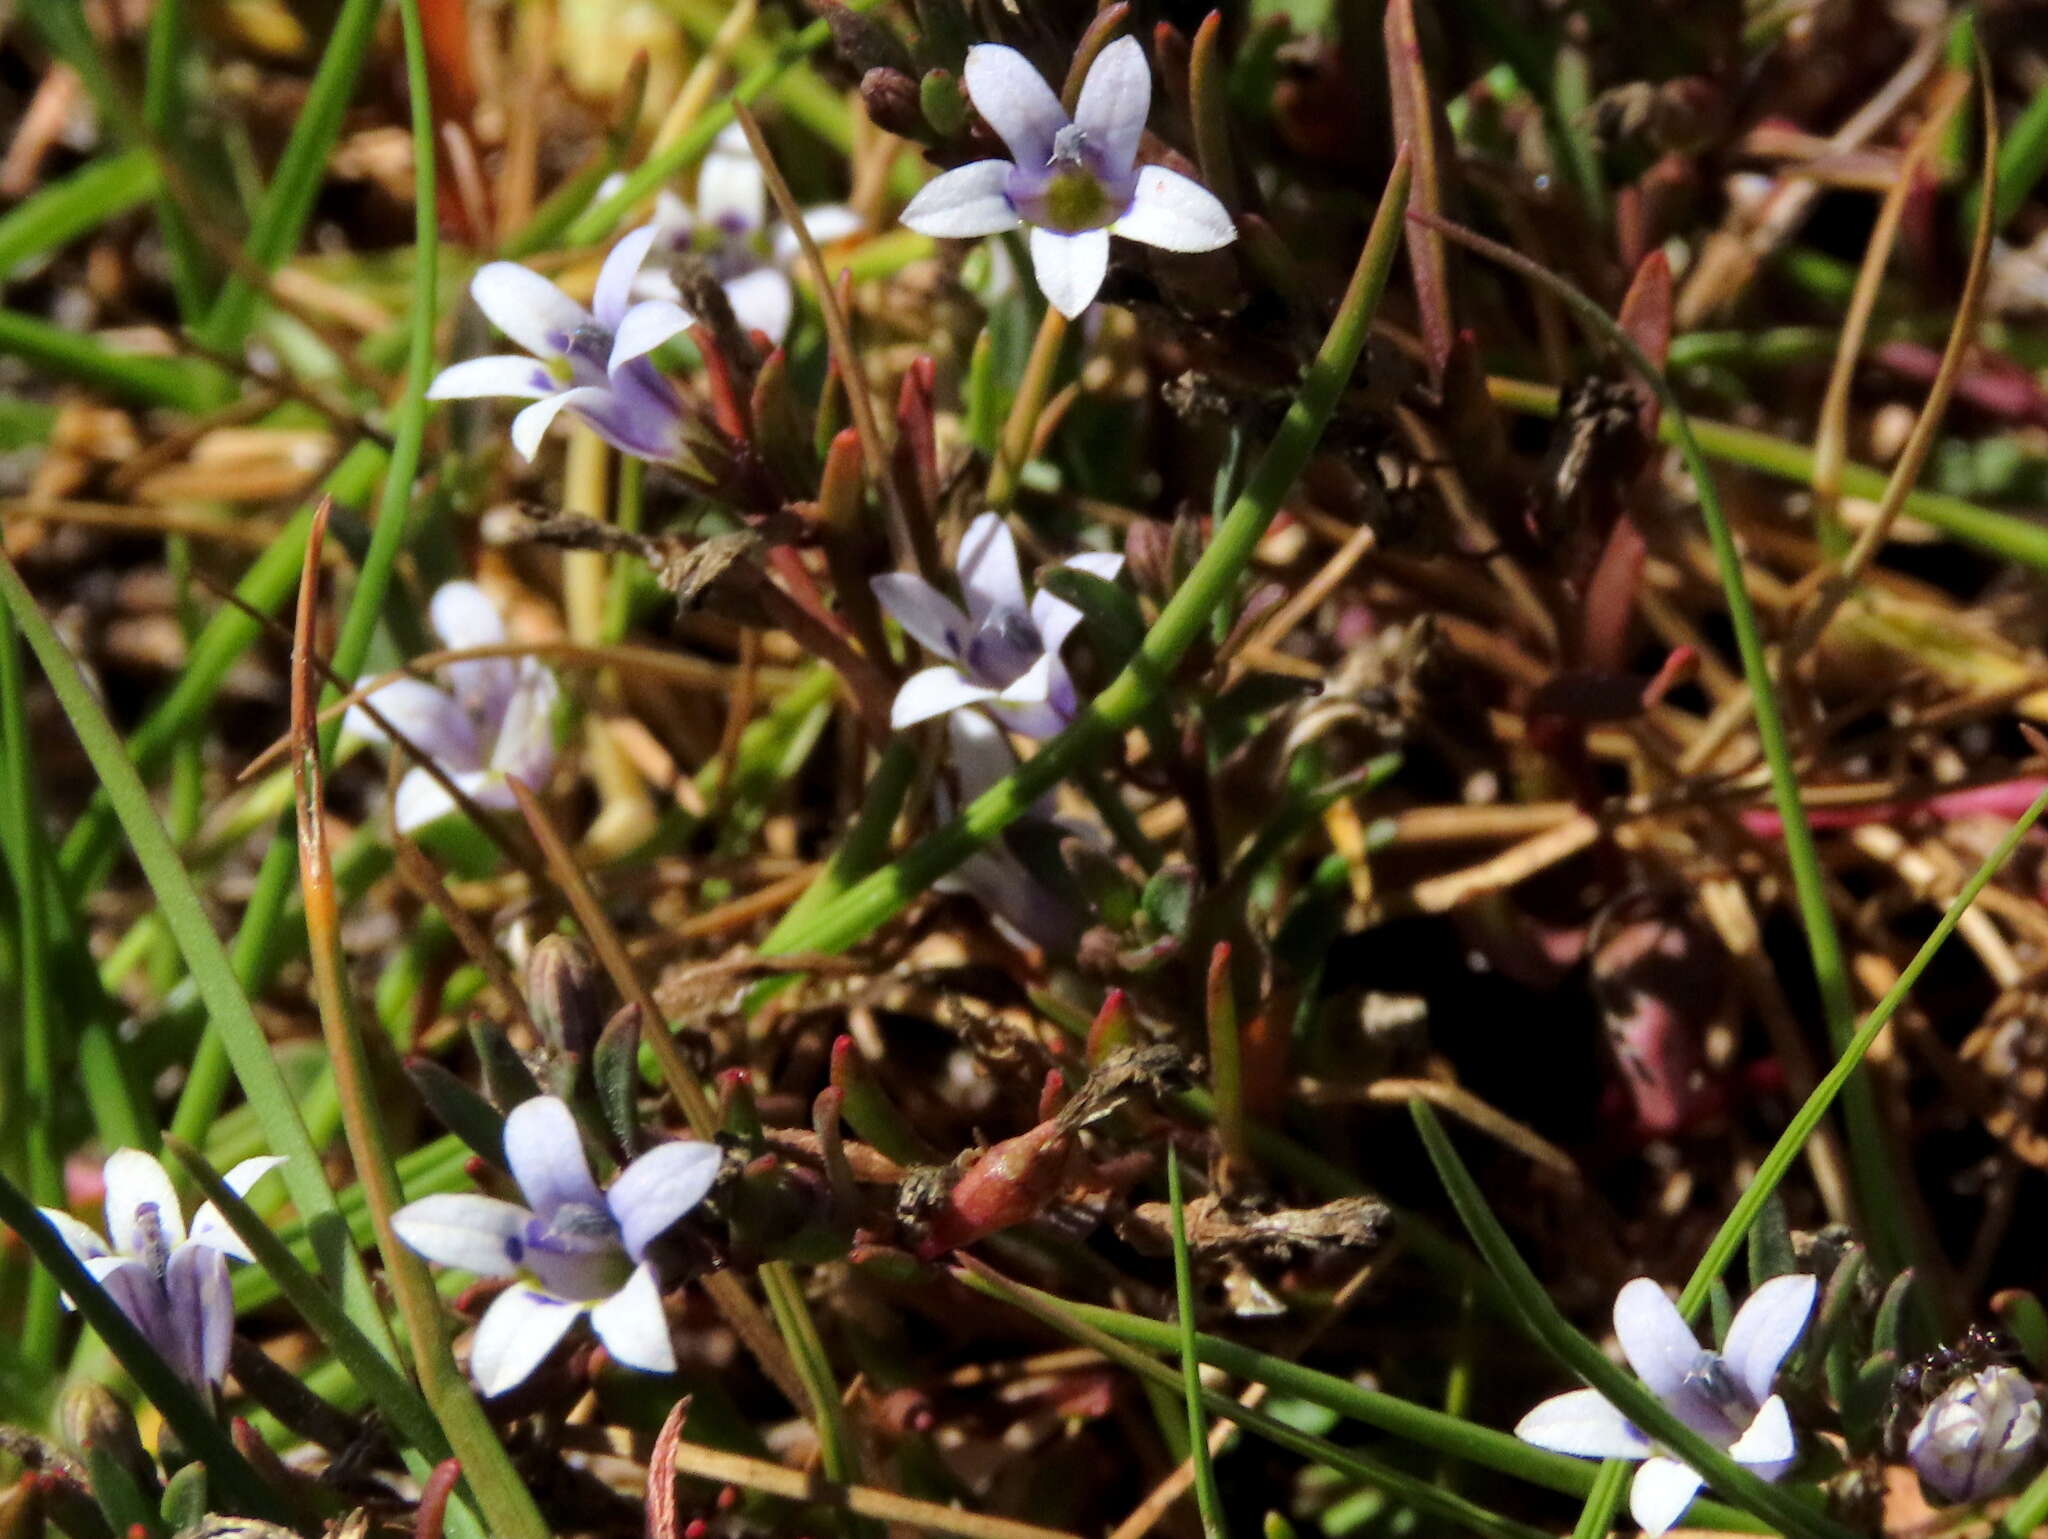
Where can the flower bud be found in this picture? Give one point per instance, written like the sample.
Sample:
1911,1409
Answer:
891,98
1976,1434
565,990
96,1422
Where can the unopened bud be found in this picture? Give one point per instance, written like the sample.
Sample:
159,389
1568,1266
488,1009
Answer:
943,103
565,992
1976,1435
891,98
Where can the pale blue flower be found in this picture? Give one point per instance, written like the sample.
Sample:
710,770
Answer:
1976,1434
1724,1396
1074,182
575,1249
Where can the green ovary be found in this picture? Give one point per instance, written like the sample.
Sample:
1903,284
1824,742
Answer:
1075,201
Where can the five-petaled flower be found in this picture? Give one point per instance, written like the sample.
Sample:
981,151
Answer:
1975,1435
575,1250
1004,652
1724,1396
590,362
491,720
1074,181
729,228
171,1283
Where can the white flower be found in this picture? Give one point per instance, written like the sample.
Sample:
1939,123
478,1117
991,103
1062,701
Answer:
171,1284
1723,1396
1004,652
1976,1434
1075,182
591,362
490,721
748,254
584,1249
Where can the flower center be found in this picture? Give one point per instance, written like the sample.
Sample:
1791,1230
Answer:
151,1248
576,1254
1710,1378
1075,201
1004,648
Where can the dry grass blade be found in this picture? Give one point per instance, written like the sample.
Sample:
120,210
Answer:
1415,122
861,1501
420,874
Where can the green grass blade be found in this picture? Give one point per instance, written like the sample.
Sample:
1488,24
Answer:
185,915
75,205
878,898
182,384
1207,1498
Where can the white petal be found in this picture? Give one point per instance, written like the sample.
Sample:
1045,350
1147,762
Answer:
1015,101
1069,268
1663,1489
1767,1327
1175,213
527,308
1584,1424
136,1293
658,1188
1035,685
1767,1446
512,374
515,1336
1659,1345
731,192
934,692
762,301
532,424
645,327
525,749
136,1180
932,618
209,1227
981,757
827,222
990,575
1041,719
633,1327
1116,98
615,279
431,719
965,202
421,799
78,1238
463,615
544,1151
465,1230
202,1311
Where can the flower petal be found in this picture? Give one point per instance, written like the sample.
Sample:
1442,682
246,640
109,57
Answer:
762,301
827,222
1585,1424
932,618
658,1188
634,1327
512,374
980,755
1659,1345
525,749
1069,268
1766,1328
421,799
990,575
965,202
134,1290
615,279
79,1238
544,1151
532,424
431,719
1014,100
1663,1489
209,1227
465,1230
731,192
645,327
1116,98
134,1181
527,308
1175,213
202,1312
1767,1446
934,692
515,1336
463,616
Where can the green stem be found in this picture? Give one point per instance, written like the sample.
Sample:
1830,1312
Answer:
1207,1498
872,902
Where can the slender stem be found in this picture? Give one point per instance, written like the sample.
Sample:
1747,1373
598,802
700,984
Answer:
875,900
1207,1498
1020,428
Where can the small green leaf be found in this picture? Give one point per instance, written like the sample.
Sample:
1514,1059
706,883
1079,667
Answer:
459,1109
1169,899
